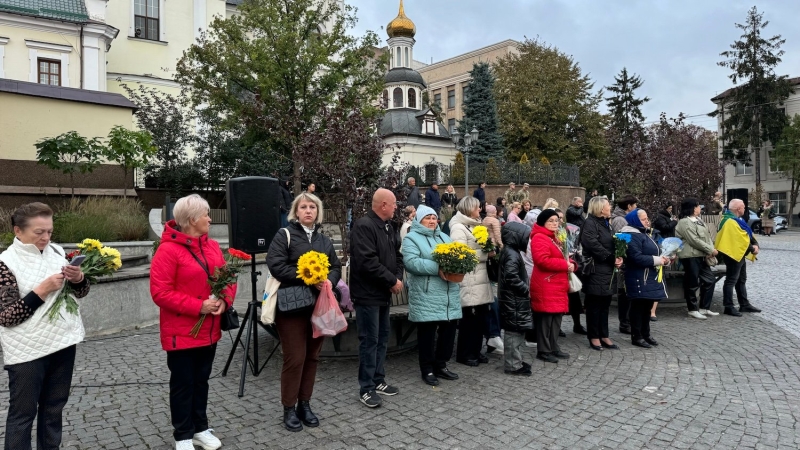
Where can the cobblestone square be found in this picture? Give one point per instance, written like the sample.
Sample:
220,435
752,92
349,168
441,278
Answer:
721,383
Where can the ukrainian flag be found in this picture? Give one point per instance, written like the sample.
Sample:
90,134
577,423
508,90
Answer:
732,239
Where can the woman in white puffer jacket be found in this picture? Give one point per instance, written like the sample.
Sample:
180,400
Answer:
476,290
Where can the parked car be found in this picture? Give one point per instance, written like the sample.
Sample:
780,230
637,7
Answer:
781,224
753,221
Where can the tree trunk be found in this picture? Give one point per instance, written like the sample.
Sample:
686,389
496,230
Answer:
125,182
793,199
72,184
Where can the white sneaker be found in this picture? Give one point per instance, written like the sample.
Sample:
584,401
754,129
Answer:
497,343
206,440
530,344
708,312
185,444
696,315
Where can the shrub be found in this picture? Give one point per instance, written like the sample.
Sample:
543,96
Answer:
102,218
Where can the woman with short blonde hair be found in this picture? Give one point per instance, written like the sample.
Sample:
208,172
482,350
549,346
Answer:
305,196
513,215
550,203
189,209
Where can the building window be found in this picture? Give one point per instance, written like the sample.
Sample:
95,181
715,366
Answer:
451,98
773,162
464,89
437,99
385,98
430,127
399,58
779,203
743,169
146,15
408,61
451,125
398,97
49,72
412,98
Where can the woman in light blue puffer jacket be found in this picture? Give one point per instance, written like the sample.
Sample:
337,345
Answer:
433,303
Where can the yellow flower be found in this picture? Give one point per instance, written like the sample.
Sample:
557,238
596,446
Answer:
90,243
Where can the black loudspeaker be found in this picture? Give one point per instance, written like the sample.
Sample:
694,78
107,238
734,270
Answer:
254,214
741,194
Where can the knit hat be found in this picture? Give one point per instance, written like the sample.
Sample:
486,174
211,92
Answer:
542,218
423,211
491,210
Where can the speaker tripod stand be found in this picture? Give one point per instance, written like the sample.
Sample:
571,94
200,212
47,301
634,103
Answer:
251,324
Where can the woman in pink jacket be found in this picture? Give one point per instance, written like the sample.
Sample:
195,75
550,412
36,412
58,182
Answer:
178,285
549,285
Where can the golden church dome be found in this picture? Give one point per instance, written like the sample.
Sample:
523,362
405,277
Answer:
401,26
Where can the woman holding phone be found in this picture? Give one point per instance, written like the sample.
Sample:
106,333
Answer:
39,354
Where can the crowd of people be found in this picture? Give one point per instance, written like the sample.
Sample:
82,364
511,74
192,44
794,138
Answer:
534,289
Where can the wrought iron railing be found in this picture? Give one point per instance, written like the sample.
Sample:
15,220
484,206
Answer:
498,172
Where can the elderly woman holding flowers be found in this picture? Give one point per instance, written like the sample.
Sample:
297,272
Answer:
476,289
433,302
179,285
39,353
300,348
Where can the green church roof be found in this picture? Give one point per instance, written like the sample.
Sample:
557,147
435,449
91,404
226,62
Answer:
66,10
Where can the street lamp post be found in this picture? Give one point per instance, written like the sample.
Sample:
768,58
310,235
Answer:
468,139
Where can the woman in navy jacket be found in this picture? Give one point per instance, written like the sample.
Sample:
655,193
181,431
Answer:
641,275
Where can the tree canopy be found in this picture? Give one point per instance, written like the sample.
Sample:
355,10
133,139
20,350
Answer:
480,112
624,106
787,159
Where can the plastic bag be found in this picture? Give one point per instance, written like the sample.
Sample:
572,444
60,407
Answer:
346,304
327,319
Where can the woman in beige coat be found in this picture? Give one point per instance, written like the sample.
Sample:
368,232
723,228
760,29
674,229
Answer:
476,290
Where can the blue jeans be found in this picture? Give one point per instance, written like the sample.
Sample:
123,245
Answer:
284,219
373,337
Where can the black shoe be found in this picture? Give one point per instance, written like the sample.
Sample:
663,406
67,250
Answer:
445,374
468,362
524,364
748,308
609,346
290,420
560,355
305,415
731,311
625,330
595,347
653,319
371,399
490,349
523,371
640,343
385,389
651,341
561,334
547,357
578,329
430,379
483,359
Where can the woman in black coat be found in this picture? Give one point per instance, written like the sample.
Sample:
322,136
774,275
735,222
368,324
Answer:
513,293
597,241
300,348
665,221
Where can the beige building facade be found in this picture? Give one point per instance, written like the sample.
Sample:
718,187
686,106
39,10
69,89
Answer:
742,176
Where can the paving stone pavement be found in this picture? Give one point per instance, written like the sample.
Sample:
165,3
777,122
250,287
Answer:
722,383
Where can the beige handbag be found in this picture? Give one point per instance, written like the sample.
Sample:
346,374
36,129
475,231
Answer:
269,302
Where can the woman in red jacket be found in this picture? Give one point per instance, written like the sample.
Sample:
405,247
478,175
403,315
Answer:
549,285
178,285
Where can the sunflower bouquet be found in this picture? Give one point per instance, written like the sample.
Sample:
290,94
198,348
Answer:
481,234
455,258
100,261
223,277
313,268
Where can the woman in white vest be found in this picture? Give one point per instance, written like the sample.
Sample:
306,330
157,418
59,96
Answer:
39,354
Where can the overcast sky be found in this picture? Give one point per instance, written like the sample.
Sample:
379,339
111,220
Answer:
673,45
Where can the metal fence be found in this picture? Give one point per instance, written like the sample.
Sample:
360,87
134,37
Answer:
498,172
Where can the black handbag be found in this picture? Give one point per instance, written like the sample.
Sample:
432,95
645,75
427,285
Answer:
229,320
295,298
493,268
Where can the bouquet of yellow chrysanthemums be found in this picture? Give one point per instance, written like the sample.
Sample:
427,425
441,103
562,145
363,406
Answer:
455,258
481,234
100,261
313,268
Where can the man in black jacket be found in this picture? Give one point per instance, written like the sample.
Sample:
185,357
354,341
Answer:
480,194
376,272
575,212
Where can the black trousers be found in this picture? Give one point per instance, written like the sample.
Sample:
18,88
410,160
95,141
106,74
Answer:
435,353
575,307
188,389
640,318
470,332
735,279
597,315
697,274
547,327
623,307
38,388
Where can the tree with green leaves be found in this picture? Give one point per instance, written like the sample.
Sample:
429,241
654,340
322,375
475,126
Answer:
752,114
130,149
787,159
624,106
69,153
436,108
271,67
480,112
547,107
